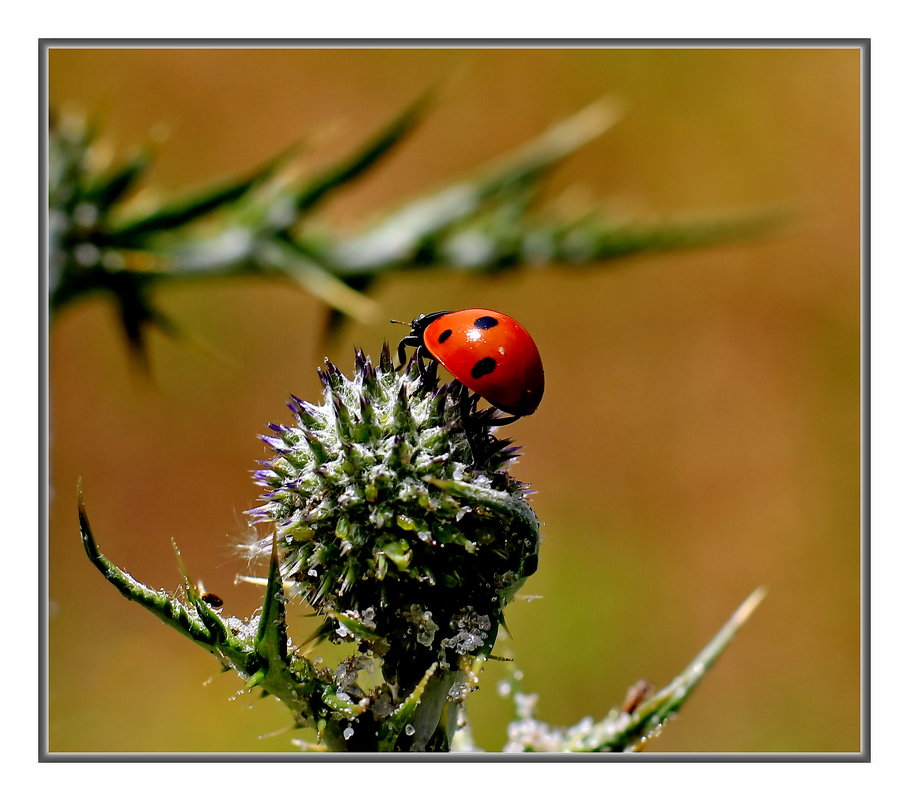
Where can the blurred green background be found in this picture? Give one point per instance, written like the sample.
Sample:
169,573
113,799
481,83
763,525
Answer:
699,435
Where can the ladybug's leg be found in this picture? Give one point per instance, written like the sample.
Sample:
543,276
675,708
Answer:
464,402
467,403
431,376
421,362
428,372
473,429
408,341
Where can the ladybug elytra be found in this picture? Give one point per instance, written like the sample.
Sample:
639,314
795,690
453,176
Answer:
488,352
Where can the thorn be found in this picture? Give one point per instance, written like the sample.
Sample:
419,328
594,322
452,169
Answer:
181,566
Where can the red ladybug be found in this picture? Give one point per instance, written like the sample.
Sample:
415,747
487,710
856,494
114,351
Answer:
489,352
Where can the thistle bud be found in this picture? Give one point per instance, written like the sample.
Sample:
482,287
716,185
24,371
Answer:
403,534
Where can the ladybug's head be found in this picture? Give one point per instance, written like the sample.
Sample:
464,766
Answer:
414,338
419,324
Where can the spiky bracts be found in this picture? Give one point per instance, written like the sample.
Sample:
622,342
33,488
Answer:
390,529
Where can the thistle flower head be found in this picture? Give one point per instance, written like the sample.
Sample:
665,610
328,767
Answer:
390,525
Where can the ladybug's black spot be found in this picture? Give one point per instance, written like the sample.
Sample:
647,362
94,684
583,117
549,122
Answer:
485,322
483,367
444,335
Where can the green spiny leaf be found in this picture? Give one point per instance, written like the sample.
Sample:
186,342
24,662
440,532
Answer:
633,731
395,723
354,166
106,191
271,635
185,211
654,712
401,235
160,604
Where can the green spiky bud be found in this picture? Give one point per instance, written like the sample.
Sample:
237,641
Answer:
406,536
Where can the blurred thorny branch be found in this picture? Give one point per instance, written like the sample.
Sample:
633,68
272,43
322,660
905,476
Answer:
101,240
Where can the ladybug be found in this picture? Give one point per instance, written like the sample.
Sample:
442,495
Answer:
488,352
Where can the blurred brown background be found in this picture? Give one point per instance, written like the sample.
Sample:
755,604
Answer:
699,436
